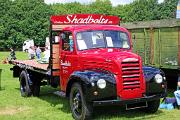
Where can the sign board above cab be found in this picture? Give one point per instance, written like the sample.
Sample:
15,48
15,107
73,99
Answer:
75,19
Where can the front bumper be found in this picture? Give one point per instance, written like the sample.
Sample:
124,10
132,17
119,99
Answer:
124,102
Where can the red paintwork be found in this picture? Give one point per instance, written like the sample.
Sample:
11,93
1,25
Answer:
103,58
85,19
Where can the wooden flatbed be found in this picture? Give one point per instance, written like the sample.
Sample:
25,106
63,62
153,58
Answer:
31,65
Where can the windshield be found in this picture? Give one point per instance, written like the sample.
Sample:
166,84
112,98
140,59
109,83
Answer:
102,39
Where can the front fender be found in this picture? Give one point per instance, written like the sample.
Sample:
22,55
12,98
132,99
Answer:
88,80
151,86
150,72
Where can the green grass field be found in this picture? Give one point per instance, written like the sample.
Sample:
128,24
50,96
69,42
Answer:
51,107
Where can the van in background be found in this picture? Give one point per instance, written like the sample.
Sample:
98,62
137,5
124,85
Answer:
27,44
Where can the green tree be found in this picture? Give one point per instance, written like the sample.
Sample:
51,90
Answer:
29,19
167,9
24,19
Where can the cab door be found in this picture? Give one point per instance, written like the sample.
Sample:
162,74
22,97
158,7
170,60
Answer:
67,57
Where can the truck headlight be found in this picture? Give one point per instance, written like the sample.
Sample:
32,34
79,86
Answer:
101,83
158,78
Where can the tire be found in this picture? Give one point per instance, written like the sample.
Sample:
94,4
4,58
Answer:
152,106
24,85
81,110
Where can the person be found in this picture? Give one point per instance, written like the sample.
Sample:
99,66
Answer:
12,54
177,92
45,59
38,53
31,53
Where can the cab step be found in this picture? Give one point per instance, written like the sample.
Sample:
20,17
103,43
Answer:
60,93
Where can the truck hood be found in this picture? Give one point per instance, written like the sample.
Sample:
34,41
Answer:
125,65
108,59
109,54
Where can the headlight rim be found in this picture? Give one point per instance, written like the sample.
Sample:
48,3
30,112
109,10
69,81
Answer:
157,78
100,83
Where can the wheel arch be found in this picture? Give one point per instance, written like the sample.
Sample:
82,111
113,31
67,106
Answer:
74,79
85,78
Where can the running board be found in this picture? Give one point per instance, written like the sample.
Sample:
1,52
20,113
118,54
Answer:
60,93
136,106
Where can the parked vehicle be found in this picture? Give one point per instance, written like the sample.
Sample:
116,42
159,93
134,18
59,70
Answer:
27,44
94,65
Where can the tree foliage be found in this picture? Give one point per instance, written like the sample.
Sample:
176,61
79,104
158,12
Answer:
29,19
21,20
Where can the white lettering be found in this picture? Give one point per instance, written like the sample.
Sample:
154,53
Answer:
88,20
66,63
68,18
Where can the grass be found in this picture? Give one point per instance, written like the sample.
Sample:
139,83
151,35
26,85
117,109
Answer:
51,107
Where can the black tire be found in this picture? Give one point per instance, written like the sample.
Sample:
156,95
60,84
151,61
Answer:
24,85
81,110
152,106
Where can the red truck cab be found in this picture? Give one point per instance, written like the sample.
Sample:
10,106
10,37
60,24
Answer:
106,48
93,63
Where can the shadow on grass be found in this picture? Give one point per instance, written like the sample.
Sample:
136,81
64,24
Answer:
119,112
105,113
47,95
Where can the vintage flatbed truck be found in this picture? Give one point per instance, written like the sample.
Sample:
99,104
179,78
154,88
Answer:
93,65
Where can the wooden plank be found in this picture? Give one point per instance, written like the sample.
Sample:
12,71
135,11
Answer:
55,61
55,45
145,35
55,56
154,23
56,73
56,66
59,27
56,51
159,40
152,46
179,46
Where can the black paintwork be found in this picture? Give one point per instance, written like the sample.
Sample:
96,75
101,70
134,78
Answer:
150,72
103,94
123,102
152,87
109,93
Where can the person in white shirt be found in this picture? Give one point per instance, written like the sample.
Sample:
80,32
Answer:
31,52
46,55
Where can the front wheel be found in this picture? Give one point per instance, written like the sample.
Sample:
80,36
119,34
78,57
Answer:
81,110
152,106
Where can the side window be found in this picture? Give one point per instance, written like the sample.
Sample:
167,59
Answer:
124,39
67,41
